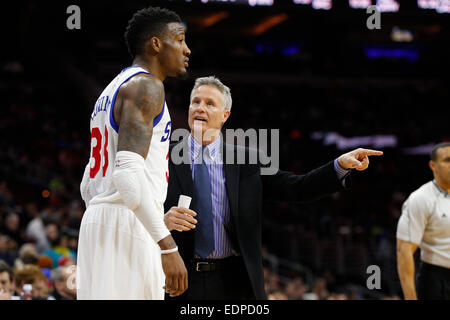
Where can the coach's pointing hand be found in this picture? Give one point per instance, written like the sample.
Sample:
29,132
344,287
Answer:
357,159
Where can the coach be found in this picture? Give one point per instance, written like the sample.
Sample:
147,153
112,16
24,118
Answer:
220,238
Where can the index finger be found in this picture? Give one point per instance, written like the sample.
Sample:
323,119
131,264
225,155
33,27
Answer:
186,211
370,152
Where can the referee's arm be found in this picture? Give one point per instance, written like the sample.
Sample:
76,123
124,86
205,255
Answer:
405,266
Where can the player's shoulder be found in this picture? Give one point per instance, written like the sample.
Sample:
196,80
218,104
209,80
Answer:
142,85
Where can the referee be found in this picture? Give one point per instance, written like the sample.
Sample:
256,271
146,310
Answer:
425,223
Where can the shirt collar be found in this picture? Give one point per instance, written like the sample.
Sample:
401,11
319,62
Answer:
212,149
445,193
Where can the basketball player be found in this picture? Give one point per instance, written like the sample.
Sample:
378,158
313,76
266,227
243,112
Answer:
425,223
125,249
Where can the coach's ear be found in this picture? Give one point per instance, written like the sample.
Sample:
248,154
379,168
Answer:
226,115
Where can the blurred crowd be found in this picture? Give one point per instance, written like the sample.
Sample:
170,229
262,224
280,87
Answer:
37,263
294,287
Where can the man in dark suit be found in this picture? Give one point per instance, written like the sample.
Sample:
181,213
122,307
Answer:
221,246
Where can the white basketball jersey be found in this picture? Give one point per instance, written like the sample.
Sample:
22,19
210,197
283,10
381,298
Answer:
104,141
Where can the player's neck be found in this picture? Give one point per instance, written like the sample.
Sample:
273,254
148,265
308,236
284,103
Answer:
149,67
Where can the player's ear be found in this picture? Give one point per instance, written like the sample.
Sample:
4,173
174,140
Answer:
155,44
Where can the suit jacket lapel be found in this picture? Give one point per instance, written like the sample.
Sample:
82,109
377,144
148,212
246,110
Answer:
231,183
184,173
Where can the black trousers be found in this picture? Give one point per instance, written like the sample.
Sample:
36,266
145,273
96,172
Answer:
433,282
229,281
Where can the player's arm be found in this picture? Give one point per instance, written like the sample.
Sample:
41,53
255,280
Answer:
406,268
142,100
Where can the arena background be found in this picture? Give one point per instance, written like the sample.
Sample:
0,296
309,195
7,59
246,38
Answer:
321,76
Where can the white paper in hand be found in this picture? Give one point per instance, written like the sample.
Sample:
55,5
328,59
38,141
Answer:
184,201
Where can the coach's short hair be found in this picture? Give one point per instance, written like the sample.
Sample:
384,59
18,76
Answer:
433,154
215,82
146,23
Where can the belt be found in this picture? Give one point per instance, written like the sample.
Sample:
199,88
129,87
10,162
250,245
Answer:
208,265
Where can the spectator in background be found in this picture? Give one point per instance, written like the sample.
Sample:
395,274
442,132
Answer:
61,249
320,289
277,295
27,255
64,284
296,289
35,230
11,228
6,250
6,196
272,285
72,235
32,274
52,234
66,261
340,294
75,215
45,263
6,281
52,214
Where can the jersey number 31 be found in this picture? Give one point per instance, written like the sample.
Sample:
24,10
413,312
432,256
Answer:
96,152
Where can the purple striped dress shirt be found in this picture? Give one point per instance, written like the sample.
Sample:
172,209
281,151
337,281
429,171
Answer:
220,205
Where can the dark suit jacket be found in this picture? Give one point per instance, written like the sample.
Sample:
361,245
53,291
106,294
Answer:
246,189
